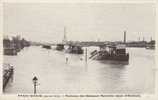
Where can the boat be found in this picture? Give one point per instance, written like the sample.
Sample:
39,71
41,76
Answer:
111,52
60,47
9,51
9,47
75,49
46,46
150,45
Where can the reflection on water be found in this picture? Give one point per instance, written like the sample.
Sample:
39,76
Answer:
77,76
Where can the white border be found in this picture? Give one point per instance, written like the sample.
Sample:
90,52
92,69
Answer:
15,97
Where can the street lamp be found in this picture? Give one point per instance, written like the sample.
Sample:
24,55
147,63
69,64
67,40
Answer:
35,79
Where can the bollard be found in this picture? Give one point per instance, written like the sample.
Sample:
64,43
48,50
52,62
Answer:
86,56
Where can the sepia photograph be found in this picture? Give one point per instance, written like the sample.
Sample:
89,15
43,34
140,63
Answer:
79,48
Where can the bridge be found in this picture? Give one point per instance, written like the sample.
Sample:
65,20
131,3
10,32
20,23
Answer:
77,43
96,43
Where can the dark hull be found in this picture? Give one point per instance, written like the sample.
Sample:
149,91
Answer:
60,47
114,57
10,52
46,46
152,47
75,51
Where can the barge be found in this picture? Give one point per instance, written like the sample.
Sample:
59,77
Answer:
111,52
60,47
10,51
46,46
74,49
150,45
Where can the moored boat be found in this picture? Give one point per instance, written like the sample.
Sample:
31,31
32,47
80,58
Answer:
46,46
150,45
75,49
112,52
9,51
60,47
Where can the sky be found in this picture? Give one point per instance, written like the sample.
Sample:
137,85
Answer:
45,22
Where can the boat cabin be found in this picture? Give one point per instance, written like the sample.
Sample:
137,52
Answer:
113,52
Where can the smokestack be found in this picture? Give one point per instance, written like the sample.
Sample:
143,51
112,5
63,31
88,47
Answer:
124,36
64,38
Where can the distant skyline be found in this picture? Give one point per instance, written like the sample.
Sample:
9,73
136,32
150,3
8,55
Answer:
45,22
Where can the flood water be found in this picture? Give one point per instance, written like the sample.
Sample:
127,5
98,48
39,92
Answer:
77,76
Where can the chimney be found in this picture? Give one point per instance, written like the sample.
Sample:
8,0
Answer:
64,38
124,36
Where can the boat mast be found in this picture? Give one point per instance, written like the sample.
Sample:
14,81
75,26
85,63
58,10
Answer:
64,38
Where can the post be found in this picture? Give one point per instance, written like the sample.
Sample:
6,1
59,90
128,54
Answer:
86,55
66,60
86,64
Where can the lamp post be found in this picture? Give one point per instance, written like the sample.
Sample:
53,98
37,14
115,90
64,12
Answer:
35,79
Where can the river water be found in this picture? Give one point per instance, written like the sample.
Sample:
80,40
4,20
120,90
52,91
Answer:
55,76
